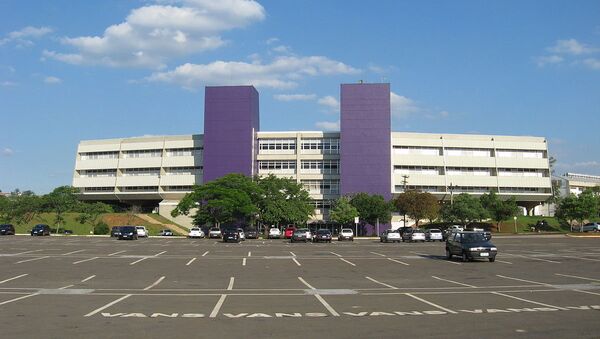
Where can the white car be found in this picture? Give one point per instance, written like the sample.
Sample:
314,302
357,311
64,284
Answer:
346,234
434,234
390,236
214,232
196,232
417,235
274,233
141,231
242,234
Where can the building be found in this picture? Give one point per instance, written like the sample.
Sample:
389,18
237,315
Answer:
574,183
365,156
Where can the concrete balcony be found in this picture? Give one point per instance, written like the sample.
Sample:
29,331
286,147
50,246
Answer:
417,160
138,181
94,181
180,180
184,161
456,161
522,163
524,182
140,162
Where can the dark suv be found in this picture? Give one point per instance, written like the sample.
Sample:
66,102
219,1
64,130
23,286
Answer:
128,232
322,235
470,246
7,229
231,234
40,229
115,231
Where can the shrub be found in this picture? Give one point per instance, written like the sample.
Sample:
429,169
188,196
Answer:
101,228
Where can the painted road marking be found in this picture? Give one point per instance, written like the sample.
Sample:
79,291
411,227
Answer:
107,305
157,254
292,253
588,292
243,261
73,252
65,287
110,255
249,254
346,261
296,261
305,283
335,254
39,258
27,252
380,283
137,261
529,301
398,261
230,286
191,261
217,307
523,280
533,258
84,260
320,299
379,254
564,275
155,283
89,278
452,281
18,298
205,253
427,256
504,262
13,278
432,304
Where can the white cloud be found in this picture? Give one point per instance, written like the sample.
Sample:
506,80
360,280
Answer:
332,104
295,97
586,164
547,60
571,46
7,152
328,125
283,72
21,36
402,106
271,41
8,84
150,35
444,114
52,80
282,49
592,63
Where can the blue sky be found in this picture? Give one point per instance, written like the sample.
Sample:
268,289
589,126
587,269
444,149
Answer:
77,70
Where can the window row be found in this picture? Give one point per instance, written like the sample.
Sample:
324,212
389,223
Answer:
276,144
149,153
98,173
99,155
476,171
320,166
327,186
470,189
326,146
153,189
467,152
277,165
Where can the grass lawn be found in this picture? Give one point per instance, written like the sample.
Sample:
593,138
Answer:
524,224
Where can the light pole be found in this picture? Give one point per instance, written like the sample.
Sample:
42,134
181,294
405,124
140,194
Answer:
515,219
451,188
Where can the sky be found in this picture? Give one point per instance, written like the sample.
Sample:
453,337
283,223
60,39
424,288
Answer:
80,70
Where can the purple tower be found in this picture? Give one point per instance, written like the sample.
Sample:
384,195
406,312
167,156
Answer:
365,139
231,120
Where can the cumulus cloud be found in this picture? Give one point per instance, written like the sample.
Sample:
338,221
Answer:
402,106
22,37
328,125
548,60
592,63
7,152
331,103
150,35
295,97
283,72
52,80
571,46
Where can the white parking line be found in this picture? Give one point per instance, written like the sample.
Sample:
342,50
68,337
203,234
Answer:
296,261
39,258
564,275
27,252
398,261
588,292
433,258
231,281
533,258
432,304
327,306
379,254
65,287
205,253
249,254
504,262
305,283
107,305
73,252
191,261
13,278
523,280
243,261
89,278
137,261
335,254
529,301
346,261
84,260
157,254
110,255
380,283
155,283
217,307
452,281
18,298
292,253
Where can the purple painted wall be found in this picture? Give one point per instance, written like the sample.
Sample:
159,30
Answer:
365,139
231,120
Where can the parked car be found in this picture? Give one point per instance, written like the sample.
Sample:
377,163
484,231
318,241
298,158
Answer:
214,232
166,233
242,234
434,234
418,235
141,231
251,233
40,229
403,229
346,234
289,231
322,235
590,227
301,234
7,229
274,233
390,236
406,235
470,246
231,234
128,233
115,231
452,229
196,232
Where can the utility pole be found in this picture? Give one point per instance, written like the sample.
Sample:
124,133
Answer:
404,184
451,188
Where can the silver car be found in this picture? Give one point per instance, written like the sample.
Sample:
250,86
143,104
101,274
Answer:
434,234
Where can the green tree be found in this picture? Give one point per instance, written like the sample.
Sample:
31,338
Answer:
62,199
282,201
498,209
465,209
579,208
20,209
371,209
417,205
343,212
91,212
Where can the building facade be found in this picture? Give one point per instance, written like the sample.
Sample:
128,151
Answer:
364,156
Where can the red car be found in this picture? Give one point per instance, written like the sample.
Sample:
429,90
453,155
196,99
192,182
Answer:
289,231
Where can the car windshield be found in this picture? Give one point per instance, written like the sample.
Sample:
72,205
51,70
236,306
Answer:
127,229
38,227
473,237
195,229
139,227
435,231
346,231
214,229
323,232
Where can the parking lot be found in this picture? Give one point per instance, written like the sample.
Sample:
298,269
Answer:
59,287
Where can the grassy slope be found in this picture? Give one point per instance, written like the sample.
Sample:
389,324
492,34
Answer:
524,224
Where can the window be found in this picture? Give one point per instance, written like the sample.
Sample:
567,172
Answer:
471,189
468,152
184,152
277,166
326,186
98,173
320,166
284,146
477,171
421,188
139,189
321,206
98,189
504,153
178,188
321,146
523,190
417,150
192,170
522,172
422,170
99,155
135,172
147,153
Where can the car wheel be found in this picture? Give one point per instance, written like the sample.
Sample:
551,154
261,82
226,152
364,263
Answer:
465,258
448,254
492,259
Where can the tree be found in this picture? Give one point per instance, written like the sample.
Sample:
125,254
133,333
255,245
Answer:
62,199
465,209
579,208
343,212
498,209
282,201
91,212
417,205
19,209
371,208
